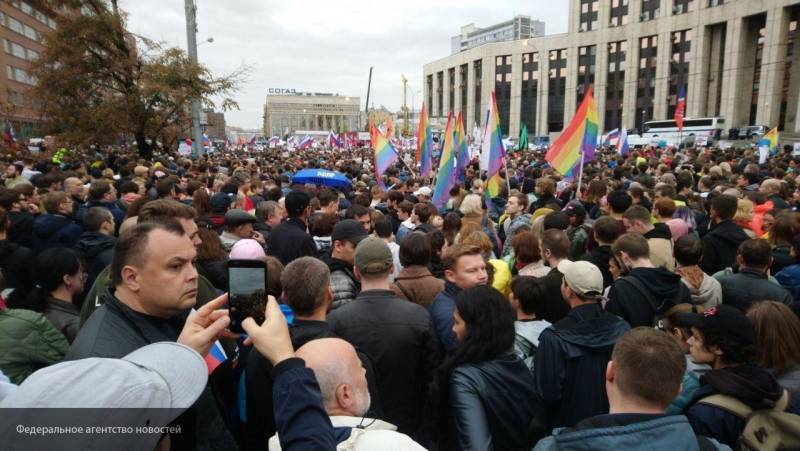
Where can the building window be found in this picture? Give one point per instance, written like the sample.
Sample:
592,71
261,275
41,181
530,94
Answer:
678,67
615,84
529,91
557,85
439,93
791,40
462,89
26,8
680,6
646,81
713,3
650,10
429,82
762,35
619,13
477,68
586,69
502,89
451,89
31,33
587,20
15,25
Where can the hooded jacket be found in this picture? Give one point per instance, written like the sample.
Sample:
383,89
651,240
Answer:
570,364
599,256
753,386
704,289
526,341
789,278
16,264
659,238
720,245
757,223
97,251
417,284
119,215
614,432
54,231
28,341
665,287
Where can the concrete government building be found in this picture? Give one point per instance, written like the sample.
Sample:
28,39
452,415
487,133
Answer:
735,58
286,109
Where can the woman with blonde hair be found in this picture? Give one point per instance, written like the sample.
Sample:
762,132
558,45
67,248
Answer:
472,210
777,341
744,213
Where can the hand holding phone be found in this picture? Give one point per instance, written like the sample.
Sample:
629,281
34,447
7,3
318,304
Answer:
247,292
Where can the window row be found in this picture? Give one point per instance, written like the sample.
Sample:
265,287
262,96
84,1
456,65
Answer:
19,27
20,75
20,51
26,8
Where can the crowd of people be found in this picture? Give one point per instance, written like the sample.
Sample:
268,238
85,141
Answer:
657,302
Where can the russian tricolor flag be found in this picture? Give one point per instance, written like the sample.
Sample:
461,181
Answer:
306,142
612,136
215,357
622,143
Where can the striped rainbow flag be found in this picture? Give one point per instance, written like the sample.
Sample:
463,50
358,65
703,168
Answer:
580,137
770,141
424,144
493,153
445,178
385,154
462,149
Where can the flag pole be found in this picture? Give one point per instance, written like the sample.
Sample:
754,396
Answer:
508,178
580,178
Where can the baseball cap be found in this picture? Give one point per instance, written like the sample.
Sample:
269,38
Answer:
424,191
582,277
149,387
373,256
296,202
575,209
236,217
361,184
722,320
220,202
350,230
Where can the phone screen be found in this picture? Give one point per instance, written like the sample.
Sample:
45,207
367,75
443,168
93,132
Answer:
247,295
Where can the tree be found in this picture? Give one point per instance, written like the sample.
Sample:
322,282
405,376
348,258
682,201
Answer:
97,83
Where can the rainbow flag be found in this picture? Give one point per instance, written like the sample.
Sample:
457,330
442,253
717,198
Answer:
462,149
424,144
385,155
580,137
445,178
770,141
493,153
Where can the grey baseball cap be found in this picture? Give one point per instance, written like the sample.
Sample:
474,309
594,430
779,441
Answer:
147,388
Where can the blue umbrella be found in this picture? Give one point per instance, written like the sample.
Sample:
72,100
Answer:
321,177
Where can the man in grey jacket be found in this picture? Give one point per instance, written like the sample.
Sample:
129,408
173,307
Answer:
642,378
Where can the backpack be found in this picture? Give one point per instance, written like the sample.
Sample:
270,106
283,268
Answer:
766,429
659,306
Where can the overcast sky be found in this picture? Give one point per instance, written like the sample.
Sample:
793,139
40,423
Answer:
327,46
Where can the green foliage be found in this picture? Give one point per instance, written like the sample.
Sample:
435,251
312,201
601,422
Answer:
99,83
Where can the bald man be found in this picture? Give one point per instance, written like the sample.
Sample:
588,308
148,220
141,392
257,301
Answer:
345,396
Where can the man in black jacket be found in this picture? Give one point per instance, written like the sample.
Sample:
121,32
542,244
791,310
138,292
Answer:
397,335
644,291
154,288
570,364
291,240
96,246
751,284
306,289
16,265
605,231
722,241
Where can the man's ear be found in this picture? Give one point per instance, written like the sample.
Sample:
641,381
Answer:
130,278
611,372
450,276
357,273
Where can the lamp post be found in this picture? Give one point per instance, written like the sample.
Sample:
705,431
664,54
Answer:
191,44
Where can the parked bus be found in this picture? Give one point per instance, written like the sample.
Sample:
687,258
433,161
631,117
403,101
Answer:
710,127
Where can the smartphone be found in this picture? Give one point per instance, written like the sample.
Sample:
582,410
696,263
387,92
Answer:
247,292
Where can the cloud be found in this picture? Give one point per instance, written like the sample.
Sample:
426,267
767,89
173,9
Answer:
327,46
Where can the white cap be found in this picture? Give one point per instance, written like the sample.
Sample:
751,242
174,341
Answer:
582,277
424,191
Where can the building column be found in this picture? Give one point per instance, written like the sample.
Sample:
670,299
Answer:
793,103
570,92
601,82
735,93
487,83
697,91
516,96
434,106
469,115
542,98
631,82
663,57
772,67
